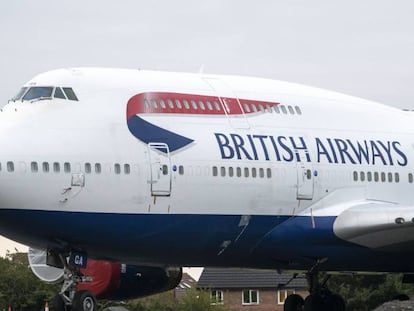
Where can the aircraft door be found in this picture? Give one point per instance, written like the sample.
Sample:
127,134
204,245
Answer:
160,169
305,181
229,102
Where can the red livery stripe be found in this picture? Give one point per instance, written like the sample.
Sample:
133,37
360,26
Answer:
176,103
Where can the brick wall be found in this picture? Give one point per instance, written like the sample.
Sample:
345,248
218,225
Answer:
268,300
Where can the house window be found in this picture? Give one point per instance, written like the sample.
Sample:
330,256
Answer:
216,297
283,294
250,297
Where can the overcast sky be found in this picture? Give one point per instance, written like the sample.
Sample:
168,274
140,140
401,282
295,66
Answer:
363,48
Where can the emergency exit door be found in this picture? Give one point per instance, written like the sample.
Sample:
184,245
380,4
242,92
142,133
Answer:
160,169
305,181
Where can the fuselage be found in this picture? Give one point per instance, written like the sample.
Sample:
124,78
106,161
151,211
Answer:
189,169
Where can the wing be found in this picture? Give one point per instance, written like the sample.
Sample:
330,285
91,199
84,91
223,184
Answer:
379,225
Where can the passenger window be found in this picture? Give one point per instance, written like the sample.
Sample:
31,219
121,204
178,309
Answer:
162,104
410,178
66,167
269,173
10,166
215,171
202,105
283,108
70,94
254,173
117,168
291,110
308,174
154,103
59,93
369,176
98,168
298,111
231,171
383,178
56,167
276,108
246,172
209,106
216,104
223,171
165,169
376,176
261,108
146,105
178,104
389,177
194,104
88,168
238,172
355,176
45,167
246,108
261,172
181,170
254,108
127,169
362,176
397,177
186,104
34,167
269,109
170,103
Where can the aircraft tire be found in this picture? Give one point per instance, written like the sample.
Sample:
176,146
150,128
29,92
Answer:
293,303
84,301
57,304
315,302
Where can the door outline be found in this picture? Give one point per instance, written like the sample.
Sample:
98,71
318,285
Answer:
305,180
159,169
221,89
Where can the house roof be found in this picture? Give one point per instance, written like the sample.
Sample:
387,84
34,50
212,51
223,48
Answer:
186,282
248,278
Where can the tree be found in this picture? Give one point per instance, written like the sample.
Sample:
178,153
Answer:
19,288
366,292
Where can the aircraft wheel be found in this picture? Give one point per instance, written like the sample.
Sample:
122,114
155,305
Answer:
57,304
315,302
293,303
84,301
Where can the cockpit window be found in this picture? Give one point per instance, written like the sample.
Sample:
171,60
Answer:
59,93
38,92
70,94
19,94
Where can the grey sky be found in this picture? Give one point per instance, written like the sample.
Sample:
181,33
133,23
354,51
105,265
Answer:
363,48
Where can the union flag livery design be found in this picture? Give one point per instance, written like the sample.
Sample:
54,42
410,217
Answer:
163,103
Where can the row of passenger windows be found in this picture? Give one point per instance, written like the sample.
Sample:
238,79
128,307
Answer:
378,176
239,172
215,106
56,167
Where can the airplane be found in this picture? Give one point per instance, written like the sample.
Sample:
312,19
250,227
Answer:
161,170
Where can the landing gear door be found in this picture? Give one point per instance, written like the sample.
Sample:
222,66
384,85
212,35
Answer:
305,181
160,169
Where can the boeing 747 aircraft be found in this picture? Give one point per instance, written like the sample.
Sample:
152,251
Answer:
162,170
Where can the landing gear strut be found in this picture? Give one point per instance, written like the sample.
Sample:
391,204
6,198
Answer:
320,298
68,298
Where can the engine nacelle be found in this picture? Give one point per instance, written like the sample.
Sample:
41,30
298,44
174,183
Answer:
116,281
110,280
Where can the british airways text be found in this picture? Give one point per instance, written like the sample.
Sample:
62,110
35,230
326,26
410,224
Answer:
296,148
